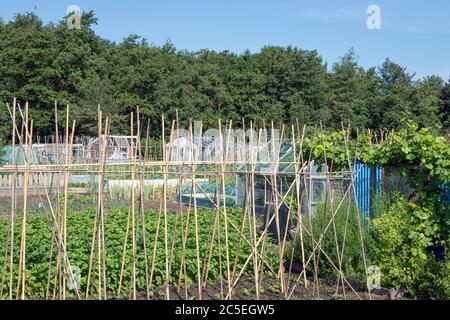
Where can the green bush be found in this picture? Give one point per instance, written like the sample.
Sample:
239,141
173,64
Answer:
434,280
402,235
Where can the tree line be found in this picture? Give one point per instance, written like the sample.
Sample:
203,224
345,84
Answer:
43,63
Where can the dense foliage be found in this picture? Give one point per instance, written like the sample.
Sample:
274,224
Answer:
79,230
403,236
43,63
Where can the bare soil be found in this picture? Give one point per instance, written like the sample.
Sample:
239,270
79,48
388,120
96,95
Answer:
270,289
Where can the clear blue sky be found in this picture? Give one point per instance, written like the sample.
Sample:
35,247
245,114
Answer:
414,33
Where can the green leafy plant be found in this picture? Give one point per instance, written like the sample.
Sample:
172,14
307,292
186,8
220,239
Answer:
79,230
434,280
402,235
349,230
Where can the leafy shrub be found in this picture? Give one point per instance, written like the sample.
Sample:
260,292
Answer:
434,280
402,235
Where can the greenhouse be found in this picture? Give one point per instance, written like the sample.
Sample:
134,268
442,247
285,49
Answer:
18,157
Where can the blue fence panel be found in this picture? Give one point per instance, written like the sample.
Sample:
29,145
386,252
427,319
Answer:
362,183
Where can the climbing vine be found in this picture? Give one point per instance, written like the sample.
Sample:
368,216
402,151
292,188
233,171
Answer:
416,153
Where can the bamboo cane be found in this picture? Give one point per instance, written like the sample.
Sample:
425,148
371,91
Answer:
141,201
133,232
94,228
199,280
22,262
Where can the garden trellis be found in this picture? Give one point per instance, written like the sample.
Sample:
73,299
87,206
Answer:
258,205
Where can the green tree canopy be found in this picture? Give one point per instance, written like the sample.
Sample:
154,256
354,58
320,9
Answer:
43,63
